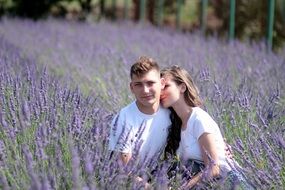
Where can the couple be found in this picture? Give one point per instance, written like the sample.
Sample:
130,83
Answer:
166,117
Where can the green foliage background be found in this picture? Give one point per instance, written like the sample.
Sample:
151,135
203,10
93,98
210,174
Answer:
251,16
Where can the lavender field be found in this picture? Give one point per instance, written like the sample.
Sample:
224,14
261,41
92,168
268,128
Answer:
61,83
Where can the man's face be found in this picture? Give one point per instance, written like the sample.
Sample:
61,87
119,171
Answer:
147,89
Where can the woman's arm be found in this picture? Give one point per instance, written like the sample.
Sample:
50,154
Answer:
210,158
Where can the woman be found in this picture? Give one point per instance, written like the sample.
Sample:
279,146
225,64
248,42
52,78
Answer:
194,135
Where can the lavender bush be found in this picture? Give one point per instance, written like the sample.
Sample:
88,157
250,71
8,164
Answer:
61,83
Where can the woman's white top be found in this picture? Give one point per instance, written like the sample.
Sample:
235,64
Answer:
201,122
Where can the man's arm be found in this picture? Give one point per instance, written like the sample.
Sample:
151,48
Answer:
119,139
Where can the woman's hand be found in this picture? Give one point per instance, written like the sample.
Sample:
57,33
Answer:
147,186
194,181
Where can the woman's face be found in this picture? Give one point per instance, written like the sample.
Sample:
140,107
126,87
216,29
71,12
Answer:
171,93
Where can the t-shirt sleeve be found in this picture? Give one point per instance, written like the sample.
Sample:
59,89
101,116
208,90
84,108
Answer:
203,125
120,135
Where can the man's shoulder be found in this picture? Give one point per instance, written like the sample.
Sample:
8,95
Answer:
127,112
163,116
128,108
164,110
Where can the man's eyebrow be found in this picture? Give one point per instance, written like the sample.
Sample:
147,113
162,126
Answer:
151,81
140,82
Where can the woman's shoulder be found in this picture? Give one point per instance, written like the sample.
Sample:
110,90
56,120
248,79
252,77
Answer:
199,113
202,117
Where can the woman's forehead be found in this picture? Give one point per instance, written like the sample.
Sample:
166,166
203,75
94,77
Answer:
167,77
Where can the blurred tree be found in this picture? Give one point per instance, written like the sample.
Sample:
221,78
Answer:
76,9
102,7
6,6
33,9
151,14
86,5
251,19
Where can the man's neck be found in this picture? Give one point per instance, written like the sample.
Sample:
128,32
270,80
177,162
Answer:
149,110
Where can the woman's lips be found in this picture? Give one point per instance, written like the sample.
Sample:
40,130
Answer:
162,98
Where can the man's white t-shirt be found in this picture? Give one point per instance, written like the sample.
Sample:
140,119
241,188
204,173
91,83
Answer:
131,128
201,122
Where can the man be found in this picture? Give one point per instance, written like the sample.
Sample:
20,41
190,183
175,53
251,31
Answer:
142,124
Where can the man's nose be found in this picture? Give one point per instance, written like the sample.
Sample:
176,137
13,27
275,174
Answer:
145,88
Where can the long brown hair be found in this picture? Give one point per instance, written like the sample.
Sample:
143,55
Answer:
191,96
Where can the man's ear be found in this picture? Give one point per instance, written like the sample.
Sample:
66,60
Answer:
131,86
162,80
183,87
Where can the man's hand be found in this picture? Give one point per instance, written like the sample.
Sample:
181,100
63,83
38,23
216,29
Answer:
125,157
